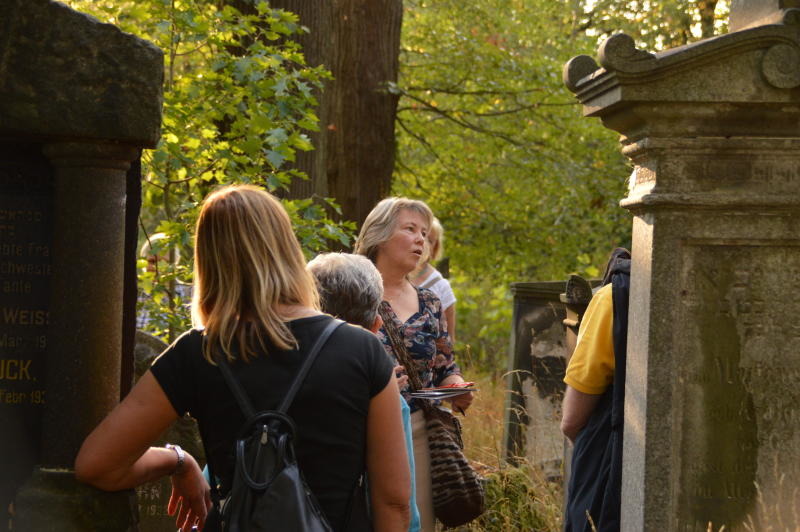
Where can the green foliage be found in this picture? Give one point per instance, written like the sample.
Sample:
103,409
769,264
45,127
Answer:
490,137
526,188
238,104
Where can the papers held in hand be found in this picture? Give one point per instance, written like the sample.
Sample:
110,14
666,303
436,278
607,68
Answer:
445,392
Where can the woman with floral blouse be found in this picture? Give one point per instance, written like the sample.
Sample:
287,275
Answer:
393,237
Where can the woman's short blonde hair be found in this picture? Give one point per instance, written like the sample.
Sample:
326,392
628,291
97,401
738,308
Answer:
381,221
247,261
435,237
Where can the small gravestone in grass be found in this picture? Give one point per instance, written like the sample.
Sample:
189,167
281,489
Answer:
537,360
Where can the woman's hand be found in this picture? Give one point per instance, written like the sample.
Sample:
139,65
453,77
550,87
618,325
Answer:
461,402
402,380
191,496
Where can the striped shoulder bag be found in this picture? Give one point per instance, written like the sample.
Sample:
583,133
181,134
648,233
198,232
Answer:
458,495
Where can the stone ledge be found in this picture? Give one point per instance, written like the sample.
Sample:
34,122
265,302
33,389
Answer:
64,74
711,201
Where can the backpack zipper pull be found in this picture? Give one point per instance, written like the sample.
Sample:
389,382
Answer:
264,435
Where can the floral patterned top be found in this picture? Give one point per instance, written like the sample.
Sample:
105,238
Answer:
425,335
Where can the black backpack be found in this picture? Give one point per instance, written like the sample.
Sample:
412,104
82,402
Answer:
268,491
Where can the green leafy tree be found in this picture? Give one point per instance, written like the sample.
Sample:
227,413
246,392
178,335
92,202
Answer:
359,42
526,188
238,107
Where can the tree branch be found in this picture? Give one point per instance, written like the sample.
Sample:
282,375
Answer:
468,125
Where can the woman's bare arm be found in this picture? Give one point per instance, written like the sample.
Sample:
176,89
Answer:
387,462
117,454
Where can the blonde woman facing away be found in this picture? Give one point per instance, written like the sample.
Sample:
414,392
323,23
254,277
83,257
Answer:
393,238
255,301
426,276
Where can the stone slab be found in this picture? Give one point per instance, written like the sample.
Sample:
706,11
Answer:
64,74
56,502
741,402
711,396
536,368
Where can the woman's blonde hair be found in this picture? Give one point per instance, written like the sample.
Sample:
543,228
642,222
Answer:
435,235
247,261
381,221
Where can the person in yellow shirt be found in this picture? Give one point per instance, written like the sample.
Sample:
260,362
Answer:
592,412
591,367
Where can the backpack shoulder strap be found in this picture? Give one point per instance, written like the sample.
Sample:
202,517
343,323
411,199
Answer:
309,361
241,397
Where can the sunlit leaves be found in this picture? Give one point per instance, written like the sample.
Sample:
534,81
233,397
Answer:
490,137
237,103
527,189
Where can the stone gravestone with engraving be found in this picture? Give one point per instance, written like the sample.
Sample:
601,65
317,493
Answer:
78,101
712,407
26,183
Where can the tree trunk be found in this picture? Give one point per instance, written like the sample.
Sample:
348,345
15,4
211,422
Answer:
706,9
359,42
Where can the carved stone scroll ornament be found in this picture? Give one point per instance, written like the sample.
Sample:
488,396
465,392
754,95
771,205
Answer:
576,69
781,66
619,53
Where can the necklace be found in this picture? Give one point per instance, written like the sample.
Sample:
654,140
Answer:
423,273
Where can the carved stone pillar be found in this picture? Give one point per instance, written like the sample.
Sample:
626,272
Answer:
83,366
86,292
711,407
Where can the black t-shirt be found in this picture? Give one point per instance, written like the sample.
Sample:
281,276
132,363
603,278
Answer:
330,410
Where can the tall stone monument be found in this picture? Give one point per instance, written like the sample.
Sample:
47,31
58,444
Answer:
78,101
712,410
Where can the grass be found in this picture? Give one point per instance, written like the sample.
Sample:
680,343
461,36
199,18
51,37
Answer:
517,498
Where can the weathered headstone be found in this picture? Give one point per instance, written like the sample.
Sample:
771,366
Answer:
537,360
78,100
712,406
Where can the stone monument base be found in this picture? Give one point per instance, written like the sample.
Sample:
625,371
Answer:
53,501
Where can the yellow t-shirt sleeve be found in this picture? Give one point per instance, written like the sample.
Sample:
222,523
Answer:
591,367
